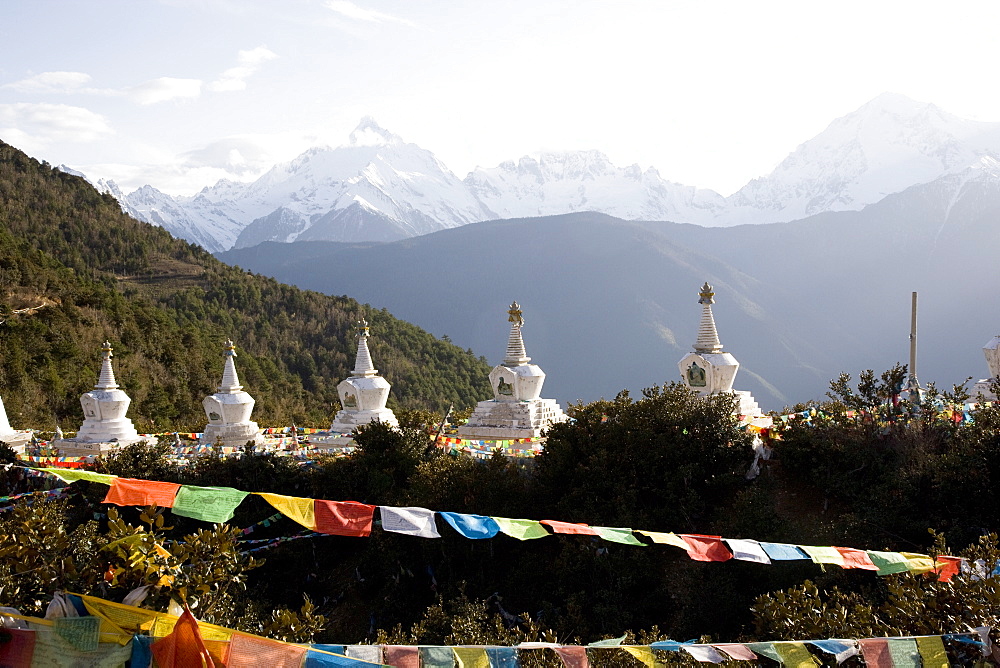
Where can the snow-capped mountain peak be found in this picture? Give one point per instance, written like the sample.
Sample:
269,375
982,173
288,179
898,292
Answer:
370,133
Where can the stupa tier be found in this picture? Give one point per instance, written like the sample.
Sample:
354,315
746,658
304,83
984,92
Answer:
708,370
229,409
516,410
364,394
104,410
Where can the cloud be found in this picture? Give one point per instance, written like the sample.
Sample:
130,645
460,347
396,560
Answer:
165,89
39,124
249,62
58,82
352,11
238,156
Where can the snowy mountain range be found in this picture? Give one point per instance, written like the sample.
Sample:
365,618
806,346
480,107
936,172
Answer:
379,188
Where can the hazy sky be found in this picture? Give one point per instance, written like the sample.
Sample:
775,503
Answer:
180,93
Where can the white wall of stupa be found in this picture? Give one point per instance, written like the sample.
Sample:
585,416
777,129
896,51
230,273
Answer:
229,409
362,396
104,411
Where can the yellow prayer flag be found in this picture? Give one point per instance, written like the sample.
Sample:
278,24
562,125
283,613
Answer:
666,539
471,657
646,655
794,655
932,653
918,563
299,509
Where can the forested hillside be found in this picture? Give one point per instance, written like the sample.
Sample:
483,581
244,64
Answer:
167,306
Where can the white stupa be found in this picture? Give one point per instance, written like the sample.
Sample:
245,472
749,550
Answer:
364,394
15,438
104,410
229,409
992,353
708,370
516,411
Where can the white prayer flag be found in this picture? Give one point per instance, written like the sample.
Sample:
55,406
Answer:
747,550
704,653
411,521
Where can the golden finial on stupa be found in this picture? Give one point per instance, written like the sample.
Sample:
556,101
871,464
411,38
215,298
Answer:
363,327
229,347
706,294
515,315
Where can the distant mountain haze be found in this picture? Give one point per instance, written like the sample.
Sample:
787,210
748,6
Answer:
379,188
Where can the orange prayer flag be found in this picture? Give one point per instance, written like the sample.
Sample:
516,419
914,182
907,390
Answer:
706,548
246,651
947,567
856,559
184,647
344,518
569,527
573,656
132,492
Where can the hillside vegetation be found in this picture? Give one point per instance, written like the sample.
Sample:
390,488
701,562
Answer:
167,306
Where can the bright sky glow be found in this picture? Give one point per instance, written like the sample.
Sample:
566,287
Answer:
181,93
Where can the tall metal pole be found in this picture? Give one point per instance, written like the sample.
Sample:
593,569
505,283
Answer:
913,338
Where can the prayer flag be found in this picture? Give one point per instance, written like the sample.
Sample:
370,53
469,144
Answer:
472,526
19,648
521,529
321,659
841,649
645,655
370,653
573,656
706,548
947,567
904,653
570,528
83,633
856,559
747,550
184,647
704,653
343,518
131,492
247,651
503,657
765,649
401,656
72,475
783,551
823,555
209,504
471,657
889,562
794,655
437,657
918,563
875,652
618,535
608,642
293,507
736,650
669,538
409,521
932,652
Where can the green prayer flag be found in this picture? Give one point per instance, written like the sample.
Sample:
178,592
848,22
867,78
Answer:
83,633
72,475
209,504
608,642
616,535
794,655
932,652
765,649
889,562
521,529
904,653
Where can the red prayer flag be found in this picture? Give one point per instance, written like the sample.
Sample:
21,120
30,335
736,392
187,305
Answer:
131,492
573,657
343,518
947,567
183,648
856,559
19,649
875,652
569,527
706,548
401,656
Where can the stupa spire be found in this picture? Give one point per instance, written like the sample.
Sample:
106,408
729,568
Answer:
708,336
363,365
516,354
106,381
230,381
